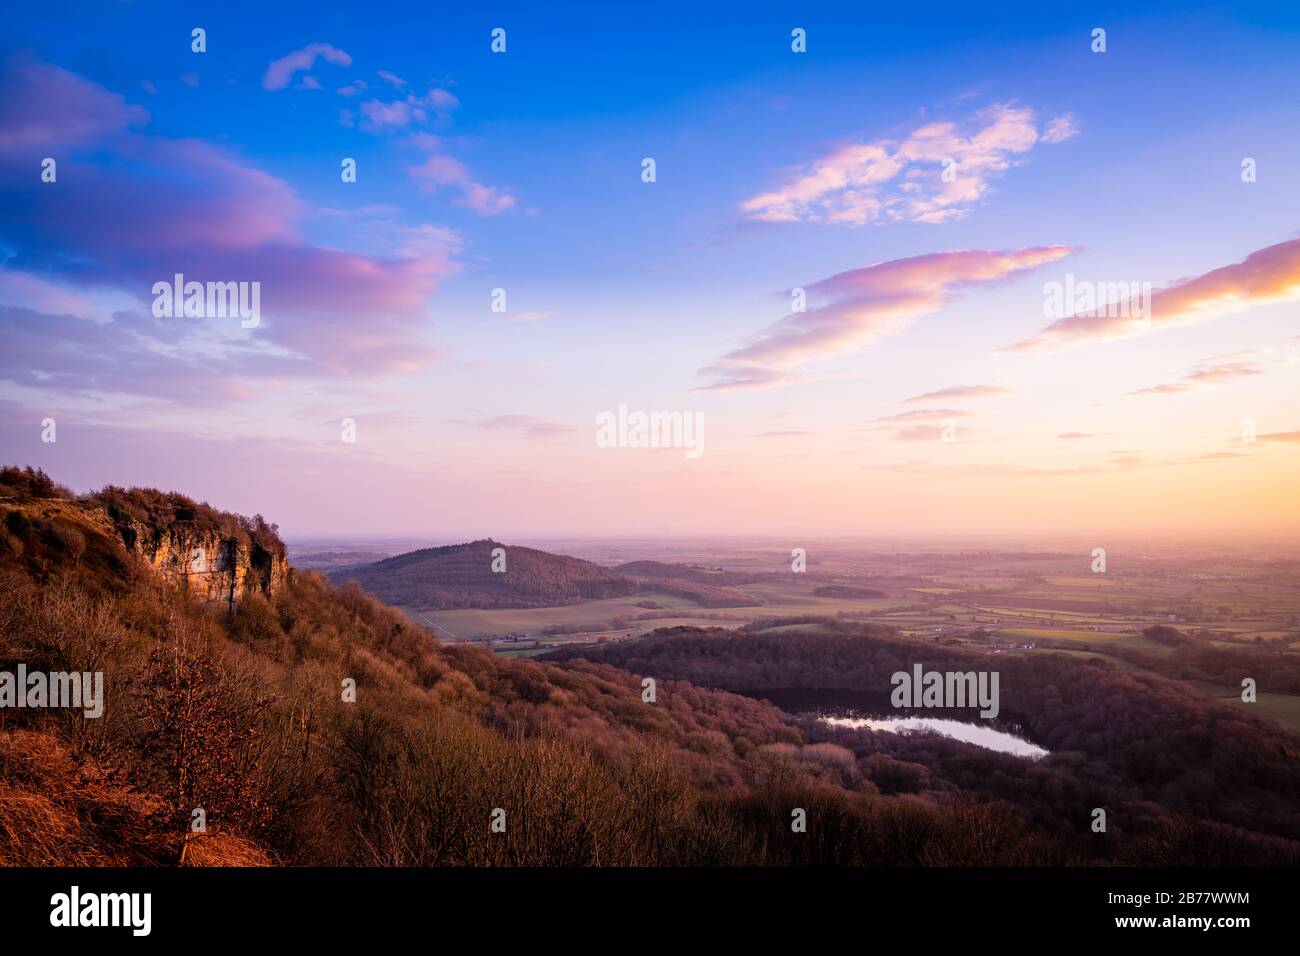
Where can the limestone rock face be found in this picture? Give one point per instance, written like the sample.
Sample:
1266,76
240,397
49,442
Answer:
208,564
210,554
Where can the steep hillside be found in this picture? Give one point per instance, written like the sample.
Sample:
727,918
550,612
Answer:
312,725
1114,736
315,726
462,575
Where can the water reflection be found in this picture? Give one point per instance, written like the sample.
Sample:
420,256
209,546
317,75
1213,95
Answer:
977,734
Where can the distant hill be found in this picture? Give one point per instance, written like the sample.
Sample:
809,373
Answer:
249,712
316,727
461,576
707,587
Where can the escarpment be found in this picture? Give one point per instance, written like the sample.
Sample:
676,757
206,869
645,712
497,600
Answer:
207,563
213,555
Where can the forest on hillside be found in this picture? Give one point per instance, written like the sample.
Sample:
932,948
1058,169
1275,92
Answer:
463,575
313,725
240,715
1156,745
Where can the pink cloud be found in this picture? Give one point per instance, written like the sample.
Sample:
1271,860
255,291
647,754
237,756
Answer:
1217,371
925,415
46,105
920,433
400,114
863,306
280,72
131,354
442,170
1117,463
1060,129
904,180
32,292
438,170
200,211
962,391
1264,277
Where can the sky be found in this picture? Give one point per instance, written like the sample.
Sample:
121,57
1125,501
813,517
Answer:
940,271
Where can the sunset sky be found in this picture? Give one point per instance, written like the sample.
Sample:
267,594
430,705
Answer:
775,170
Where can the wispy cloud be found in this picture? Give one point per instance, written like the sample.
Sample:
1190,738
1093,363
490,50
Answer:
1060,129
44,104
1279,438
904,180
1219,370
134,354
862,306
1116,463
202,211
925,415
438,170
960,392
280,72
919,468
920,433
378,115
919,424
1218,456
441,170
1264,277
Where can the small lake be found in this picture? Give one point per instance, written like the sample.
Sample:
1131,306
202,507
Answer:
976,734
862,710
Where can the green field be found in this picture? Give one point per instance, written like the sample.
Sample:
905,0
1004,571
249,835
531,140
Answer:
1096,581
941,598
525,651
1284,708
1122,664
1098,639
595,616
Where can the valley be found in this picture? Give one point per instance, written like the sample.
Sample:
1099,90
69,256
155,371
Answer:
680,699
1011,600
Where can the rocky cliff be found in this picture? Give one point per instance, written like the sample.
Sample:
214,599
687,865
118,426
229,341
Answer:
207,563
211,554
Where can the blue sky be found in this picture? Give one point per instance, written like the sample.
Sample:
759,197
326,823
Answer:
522,172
